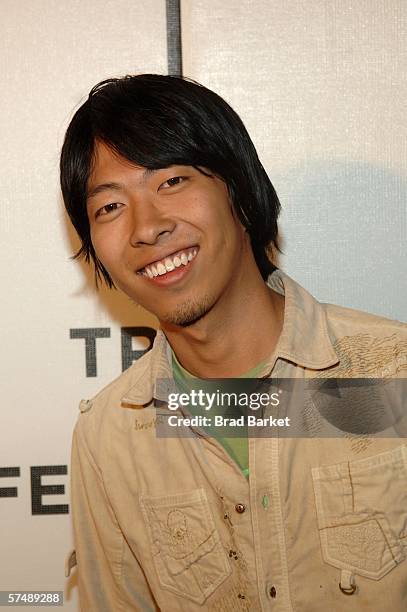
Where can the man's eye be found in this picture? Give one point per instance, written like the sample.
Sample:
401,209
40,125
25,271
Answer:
176,180
108,208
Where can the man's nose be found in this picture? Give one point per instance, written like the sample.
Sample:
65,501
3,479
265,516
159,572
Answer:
149,223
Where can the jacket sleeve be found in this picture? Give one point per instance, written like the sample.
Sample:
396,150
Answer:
104,584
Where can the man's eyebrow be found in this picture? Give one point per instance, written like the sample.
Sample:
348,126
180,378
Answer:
103,187
116,186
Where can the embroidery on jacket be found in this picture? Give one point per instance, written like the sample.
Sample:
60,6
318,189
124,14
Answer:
361,545
236,598
364,355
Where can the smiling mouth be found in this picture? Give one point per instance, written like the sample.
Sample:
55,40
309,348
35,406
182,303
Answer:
169,263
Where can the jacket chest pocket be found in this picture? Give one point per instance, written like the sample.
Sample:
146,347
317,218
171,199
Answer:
362,513
187,551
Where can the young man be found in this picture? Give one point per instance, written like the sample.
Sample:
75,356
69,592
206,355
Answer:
167,194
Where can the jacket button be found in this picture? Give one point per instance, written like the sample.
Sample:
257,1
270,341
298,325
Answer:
240,508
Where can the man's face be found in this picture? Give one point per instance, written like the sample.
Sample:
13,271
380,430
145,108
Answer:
168,238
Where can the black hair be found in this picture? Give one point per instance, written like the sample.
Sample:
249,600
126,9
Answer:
156,121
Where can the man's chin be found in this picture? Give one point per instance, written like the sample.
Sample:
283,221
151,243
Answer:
187,314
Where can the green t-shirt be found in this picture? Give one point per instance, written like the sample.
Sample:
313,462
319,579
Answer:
236,447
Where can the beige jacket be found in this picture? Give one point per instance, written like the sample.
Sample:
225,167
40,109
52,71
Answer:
171,524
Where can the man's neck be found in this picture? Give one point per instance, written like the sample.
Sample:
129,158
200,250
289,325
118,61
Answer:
228,342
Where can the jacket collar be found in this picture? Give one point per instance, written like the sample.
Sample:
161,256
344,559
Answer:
304,341
150,374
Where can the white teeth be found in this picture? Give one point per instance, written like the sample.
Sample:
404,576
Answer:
161,269
169,265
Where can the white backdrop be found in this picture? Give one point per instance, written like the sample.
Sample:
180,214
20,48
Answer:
321,87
